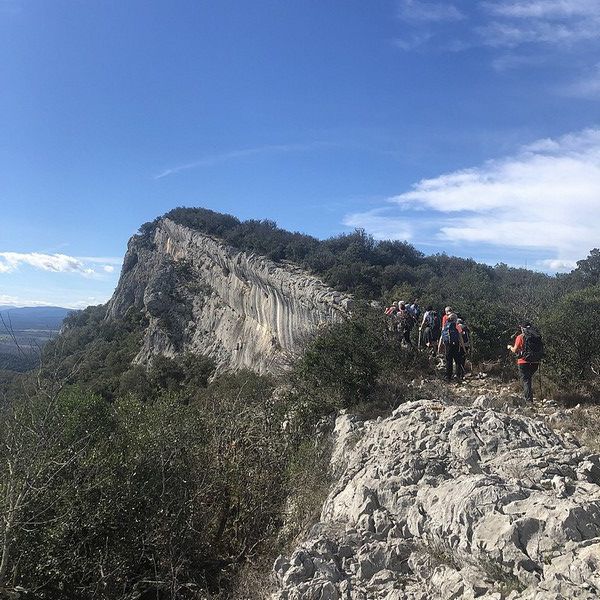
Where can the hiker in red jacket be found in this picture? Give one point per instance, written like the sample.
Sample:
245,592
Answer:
447,311
529,349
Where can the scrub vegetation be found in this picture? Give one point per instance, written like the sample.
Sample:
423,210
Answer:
119,481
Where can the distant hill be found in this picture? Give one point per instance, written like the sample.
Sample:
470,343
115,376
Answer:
35,317
24,331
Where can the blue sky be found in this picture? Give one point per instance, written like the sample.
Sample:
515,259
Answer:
470,127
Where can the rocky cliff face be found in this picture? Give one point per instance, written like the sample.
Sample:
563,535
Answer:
203,296
444,502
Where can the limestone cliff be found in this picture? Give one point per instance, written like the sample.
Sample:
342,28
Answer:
204,296
445,502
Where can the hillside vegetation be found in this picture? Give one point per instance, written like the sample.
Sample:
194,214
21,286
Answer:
493,300
124,482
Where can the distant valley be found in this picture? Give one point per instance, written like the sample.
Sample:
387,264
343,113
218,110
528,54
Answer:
24,330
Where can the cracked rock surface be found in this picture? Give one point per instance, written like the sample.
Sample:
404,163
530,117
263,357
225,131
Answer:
442,501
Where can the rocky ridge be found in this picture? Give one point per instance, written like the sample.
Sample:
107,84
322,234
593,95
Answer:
203,296
440,501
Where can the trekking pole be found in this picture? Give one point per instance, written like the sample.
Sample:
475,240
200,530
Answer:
541,388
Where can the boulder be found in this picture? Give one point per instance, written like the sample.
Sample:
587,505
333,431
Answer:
441,501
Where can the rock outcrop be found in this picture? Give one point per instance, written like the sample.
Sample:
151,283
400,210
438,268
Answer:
443,502
204,296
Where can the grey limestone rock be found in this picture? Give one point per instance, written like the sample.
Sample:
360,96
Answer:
440,501
204,296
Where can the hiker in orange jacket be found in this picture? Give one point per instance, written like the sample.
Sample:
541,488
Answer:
529,348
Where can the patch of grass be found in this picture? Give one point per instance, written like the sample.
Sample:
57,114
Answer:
440,553
505,582
582,422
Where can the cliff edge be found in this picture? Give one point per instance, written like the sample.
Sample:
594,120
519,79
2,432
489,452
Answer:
201,295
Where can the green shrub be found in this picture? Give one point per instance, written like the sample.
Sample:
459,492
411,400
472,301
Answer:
572,337
164,499
342,366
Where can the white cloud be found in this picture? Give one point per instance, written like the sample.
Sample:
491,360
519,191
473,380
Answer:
511,34
55,263
548,22
545,199
562,266
15,301
380,225
58,263
84,303
528,30
6,299
545,9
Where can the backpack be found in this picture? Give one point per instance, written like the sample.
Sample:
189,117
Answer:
450,333
415,311
432,320
405,318
533,346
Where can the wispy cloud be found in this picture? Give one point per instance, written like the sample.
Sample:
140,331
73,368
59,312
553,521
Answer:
425,11
544,9
547,22
509,34
544,199
215,159
55,263
551,23
102,260
412,40
503,25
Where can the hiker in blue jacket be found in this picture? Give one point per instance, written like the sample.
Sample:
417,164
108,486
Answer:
453,343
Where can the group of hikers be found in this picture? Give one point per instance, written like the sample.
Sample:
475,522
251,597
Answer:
451,335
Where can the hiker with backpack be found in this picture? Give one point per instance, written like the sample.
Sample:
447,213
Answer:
448,310
390,312
406,322
453,343
429,330
529,348
465,332
415,310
